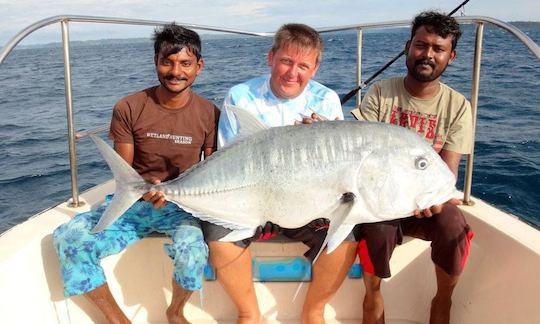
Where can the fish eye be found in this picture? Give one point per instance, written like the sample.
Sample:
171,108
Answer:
421,163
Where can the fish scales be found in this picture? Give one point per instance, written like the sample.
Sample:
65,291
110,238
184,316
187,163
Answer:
255,158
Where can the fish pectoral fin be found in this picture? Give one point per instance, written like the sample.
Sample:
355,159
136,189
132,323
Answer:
339,236
339,215
238,235
337,232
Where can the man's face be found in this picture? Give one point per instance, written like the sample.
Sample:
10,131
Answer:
428,55
178,71
291,70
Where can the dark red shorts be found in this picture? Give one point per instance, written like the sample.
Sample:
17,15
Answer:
310,236
448,232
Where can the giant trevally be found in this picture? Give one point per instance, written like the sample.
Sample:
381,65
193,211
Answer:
347,171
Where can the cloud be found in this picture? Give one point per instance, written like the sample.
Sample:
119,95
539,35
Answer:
252,9
253,15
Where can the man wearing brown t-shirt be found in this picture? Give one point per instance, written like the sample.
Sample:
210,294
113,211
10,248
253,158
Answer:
160,131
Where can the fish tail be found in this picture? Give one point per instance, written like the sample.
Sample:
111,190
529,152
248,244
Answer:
127,181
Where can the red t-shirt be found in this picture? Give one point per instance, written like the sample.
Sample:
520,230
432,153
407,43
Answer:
166,141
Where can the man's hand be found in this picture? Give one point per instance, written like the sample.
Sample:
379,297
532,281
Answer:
320,224
309,119
436,209
157,198
314,117
268,231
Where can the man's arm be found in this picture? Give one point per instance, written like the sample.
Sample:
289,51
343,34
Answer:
452,160
126,151
370,106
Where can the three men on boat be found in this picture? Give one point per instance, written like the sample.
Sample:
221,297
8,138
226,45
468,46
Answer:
287,96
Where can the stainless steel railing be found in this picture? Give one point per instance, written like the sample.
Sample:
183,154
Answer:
64,22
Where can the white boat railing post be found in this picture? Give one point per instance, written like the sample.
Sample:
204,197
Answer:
358,65
69,116
474,106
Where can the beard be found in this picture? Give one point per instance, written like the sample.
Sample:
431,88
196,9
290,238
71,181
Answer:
424,76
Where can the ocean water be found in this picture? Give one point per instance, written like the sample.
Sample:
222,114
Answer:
34,166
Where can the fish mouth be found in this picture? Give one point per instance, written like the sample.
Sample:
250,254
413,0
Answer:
436,197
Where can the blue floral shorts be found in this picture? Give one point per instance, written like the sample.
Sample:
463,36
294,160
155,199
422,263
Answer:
80,251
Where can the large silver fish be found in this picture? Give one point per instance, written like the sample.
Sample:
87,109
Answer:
347,171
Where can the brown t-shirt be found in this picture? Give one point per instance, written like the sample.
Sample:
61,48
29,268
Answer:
166,141
444,120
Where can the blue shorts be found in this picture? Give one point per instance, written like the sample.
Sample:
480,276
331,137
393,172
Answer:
80,251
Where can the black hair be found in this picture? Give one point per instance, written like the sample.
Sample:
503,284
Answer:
171,39
439,23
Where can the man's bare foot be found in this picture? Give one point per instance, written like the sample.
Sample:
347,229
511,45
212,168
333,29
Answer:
176,318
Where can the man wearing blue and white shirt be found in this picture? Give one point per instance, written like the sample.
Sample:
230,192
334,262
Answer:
292,101
287,96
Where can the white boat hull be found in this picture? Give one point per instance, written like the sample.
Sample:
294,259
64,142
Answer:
500,284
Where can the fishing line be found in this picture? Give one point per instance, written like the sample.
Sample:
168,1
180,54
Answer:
376,74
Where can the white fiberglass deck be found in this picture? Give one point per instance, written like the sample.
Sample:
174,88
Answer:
500,284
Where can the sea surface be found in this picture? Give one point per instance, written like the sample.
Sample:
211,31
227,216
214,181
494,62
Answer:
34,165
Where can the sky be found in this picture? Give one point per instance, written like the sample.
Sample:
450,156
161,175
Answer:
251,15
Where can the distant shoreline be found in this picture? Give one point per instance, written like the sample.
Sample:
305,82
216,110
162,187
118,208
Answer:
204,36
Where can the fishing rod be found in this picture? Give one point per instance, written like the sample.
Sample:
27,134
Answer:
364,84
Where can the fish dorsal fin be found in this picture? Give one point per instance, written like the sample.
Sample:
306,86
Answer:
247,123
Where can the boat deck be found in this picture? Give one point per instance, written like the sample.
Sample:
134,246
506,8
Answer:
140,278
